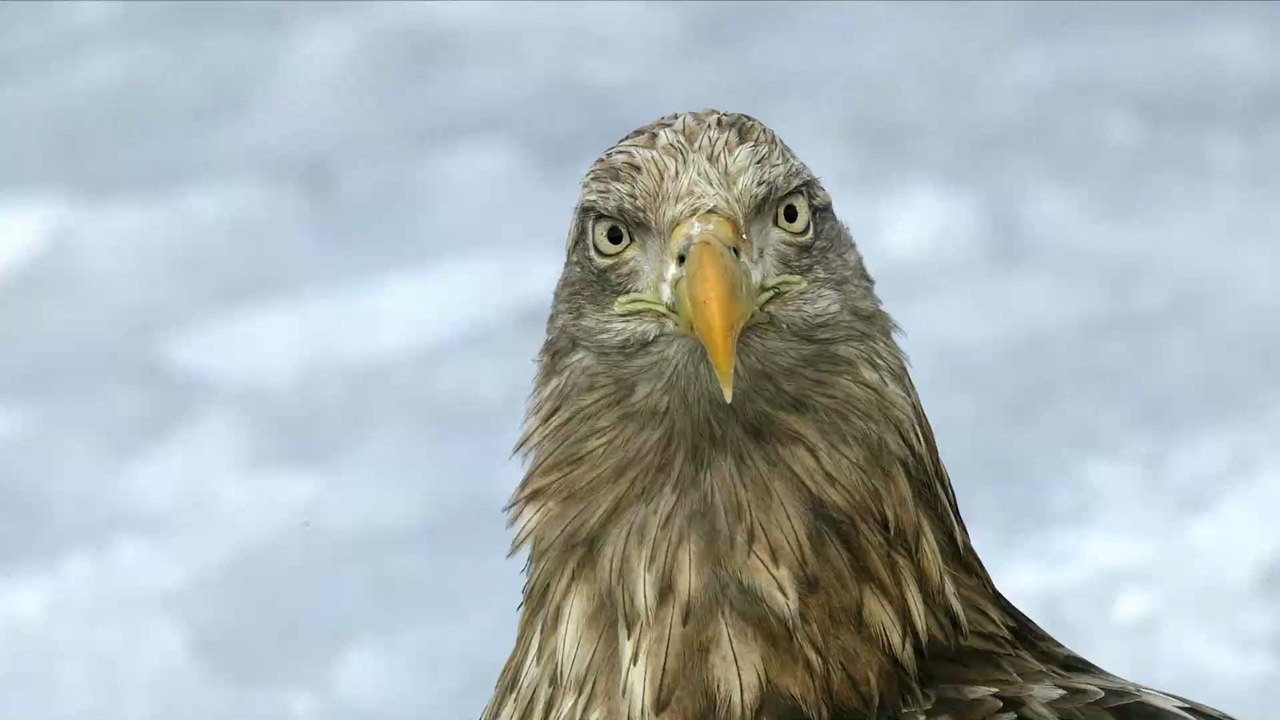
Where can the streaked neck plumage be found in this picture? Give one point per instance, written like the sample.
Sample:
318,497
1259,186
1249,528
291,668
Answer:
689,558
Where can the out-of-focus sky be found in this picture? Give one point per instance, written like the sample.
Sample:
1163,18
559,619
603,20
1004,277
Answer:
273,276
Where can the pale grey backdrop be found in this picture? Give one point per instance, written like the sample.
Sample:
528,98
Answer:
272,278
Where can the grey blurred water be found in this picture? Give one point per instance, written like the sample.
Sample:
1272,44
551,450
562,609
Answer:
272,278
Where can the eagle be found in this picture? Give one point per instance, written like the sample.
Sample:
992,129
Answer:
733,503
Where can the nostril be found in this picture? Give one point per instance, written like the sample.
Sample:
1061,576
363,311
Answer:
734,250
680,260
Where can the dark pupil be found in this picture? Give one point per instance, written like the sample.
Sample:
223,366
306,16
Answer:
790,213
614,235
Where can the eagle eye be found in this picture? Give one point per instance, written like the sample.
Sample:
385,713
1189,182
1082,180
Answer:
793,214
609,236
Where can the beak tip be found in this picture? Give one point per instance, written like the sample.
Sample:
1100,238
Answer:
726,389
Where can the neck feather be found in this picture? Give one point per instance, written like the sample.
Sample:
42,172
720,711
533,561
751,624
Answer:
691,557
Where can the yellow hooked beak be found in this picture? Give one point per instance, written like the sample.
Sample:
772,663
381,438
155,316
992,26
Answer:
715,297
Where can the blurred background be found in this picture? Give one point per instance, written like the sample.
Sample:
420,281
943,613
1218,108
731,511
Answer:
273,278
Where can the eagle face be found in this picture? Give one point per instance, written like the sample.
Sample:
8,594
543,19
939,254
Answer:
702,250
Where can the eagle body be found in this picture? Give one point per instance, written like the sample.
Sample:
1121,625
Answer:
770,535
